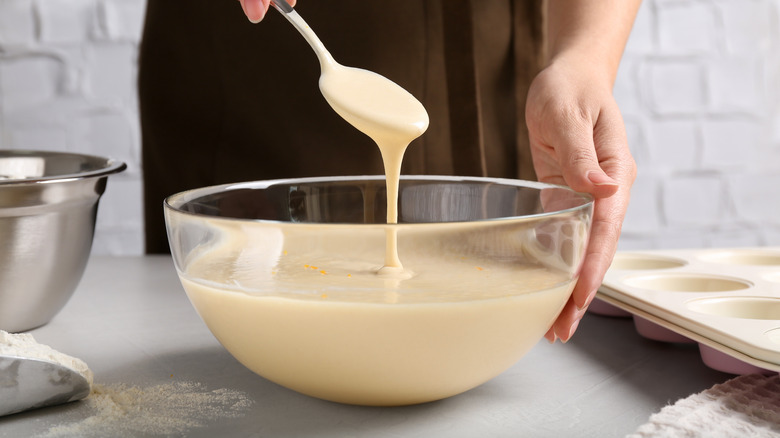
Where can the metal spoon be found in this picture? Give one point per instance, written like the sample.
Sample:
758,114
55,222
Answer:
29,383
396,114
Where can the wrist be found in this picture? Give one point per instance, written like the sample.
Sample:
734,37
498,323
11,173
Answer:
583,67
590,34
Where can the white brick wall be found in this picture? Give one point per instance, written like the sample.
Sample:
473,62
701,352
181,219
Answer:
686,27
699,87
67,82
17,22
701,80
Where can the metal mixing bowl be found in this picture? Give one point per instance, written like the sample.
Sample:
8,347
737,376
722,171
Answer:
286,274
48,206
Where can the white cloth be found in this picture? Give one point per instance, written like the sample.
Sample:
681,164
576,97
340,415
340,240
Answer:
745,406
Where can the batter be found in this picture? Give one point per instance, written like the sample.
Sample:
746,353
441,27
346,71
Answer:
308,311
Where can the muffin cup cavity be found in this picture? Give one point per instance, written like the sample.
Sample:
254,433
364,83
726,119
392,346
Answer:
687,282
651,330
720,361
637,262
760,308
743,257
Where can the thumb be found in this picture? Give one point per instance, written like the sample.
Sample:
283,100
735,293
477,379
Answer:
603,186
579,163
585,148
255,9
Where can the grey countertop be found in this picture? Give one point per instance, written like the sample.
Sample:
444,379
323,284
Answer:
130,320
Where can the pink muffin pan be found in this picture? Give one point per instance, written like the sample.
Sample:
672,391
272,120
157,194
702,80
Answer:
725,300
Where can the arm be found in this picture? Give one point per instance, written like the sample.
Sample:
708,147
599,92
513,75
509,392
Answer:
576,131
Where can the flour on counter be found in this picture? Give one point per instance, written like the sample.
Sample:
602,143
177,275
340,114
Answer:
162,410
24,345
124,410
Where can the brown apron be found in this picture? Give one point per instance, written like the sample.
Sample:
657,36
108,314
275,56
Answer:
222,100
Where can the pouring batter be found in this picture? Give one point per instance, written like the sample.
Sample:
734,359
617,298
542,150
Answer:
377,107
391,117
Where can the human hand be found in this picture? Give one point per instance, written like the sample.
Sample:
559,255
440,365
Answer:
578,139
255,10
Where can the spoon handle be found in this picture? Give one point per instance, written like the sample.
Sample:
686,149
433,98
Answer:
282,6
299,23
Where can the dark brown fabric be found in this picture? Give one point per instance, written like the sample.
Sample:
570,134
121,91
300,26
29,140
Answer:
466,139
222,100
528,59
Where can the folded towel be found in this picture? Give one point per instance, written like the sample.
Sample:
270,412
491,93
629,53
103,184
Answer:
745,406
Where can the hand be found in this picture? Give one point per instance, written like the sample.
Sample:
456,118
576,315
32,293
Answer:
255,10
578,139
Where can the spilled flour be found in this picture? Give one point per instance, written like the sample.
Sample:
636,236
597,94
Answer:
169,409
163,410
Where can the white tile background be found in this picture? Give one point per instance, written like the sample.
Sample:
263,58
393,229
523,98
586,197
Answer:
699,87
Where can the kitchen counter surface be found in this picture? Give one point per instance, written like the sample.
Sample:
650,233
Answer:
130,320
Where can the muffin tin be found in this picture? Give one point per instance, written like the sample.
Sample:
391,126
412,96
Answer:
725,300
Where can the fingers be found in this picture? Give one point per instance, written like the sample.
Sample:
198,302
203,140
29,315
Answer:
608,213
579,163
564,327
550,335
255,10
605,231
609,182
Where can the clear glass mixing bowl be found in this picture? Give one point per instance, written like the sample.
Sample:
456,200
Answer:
286,274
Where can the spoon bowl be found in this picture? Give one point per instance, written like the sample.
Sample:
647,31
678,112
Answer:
370,102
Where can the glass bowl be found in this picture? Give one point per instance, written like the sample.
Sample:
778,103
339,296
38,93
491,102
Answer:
286,275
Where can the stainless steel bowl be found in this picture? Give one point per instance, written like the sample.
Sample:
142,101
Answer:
48,206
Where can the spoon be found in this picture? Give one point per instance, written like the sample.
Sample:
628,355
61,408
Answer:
373,104
29,383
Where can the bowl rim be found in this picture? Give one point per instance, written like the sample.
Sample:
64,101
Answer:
111,166
173,202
